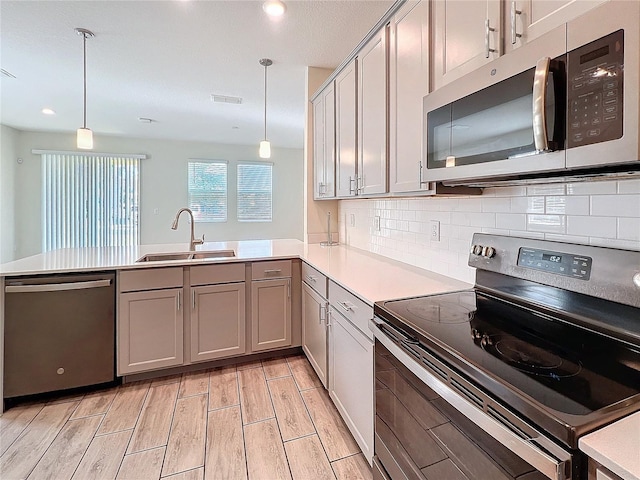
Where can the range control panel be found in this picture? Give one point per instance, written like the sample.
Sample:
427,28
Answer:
595,81
576,266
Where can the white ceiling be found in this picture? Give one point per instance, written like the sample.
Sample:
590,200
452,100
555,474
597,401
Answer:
164,59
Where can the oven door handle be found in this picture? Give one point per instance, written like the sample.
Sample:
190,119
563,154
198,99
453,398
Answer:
547,464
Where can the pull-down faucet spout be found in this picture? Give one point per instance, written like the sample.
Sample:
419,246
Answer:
193,241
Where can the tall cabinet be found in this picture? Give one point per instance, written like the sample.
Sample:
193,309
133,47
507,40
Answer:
372,116
408,84
345,127
324,145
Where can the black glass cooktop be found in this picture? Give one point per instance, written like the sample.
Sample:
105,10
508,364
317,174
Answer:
519,353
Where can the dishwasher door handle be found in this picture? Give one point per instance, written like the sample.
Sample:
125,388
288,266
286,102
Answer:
56,287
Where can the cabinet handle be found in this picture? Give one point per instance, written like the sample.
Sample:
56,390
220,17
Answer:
352,180
360,186
422,182
487,30
193,298
311,279
288,288
328,318
514,12
323,314
273,272
346,306
179,300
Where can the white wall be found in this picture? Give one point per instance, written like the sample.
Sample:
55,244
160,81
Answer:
8,163
597,213
164,187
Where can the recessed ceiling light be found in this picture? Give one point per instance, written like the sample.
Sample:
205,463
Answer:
274,8
48,111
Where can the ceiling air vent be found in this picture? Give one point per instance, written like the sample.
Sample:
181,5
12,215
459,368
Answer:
225,99
7,74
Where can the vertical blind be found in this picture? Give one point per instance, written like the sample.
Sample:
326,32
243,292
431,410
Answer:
255,192
208,190
89,200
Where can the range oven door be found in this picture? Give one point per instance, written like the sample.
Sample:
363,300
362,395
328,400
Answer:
424,429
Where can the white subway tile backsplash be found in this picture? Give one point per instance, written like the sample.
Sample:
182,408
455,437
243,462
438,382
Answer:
511,221
591,226
629,229
597,213
616,205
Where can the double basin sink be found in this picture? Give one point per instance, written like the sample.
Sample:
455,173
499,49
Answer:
163,257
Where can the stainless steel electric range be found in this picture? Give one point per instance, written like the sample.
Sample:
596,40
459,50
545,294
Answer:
500,381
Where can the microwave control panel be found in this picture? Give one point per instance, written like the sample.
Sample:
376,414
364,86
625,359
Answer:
595,85
576,266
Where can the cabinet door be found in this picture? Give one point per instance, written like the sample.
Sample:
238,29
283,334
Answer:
346,140
525,20
324,144
314,331
463,40
408,84
150,330
372,116
351,379
217,321
270,314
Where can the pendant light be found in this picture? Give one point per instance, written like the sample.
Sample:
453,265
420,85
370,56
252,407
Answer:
265,146
84,136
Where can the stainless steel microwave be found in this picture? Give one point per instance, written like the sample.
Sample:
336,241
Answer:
566,102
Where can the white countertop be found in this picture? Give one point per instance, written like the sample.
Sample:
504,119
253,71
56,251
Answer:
616,447
370,277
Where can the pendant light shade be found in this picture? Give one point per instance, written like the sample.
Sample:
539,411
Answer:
84,135
265,146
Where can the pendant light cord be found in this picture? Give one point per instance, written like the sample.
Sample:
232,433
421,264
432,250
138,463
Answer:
265,100
84,79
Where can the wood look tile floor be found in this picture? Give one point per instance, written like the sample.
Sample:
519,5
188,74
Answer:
259,420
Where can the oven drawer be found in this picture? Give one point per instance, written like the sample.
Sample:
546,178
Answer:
351,307
427,430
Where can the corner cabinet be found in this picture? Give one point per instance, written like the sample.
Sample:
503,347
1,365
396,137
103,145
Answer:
345,130
372,116
150,320
217,317
270,305
324,145
467,35
408,84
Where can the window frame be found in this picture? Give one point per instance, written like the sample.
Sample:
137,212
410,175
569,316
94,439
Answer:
197,217
238,191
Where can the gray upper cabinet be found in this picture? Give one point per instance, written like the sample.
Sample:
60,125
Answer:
372,116
345,129
467,35
408,84
324,145
525,20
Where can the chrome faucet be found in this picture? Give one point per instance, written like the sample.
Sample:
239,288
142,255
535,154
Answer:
194,241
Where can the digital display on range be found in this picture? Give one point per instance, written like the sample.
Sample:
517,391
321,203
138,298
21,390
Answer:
570,265
552,258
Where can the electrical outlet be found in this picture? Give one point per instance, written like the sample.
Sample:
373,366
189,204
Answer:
376,223
353,219
435,230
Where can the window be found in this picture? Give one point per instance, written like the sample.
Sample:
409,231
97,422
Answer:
254,192
208,190
89,200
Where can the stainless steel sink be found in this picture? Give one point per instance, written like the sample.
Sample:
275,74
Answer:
214,254
163,257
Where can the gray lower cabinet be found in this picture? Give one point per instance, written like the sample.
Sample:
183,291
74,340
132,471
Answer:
270,314
217,321
314,330
150,330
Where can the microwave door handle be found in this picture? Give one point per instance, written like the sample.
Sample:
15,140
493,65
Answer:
540,79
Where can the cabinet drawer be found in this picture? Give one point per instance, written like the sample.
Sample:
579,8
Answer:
314,279
224,273
351,307
271,269
150,279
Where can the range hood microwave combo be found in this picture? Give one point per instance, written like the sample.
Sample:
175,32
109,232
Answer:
564,106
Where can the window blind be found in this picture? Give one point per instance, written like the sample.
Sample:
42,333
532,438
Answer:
89,200
255,192
208,190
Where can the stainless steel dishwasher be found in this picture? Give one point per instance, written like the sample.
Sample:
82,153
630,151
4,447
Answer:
59,332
